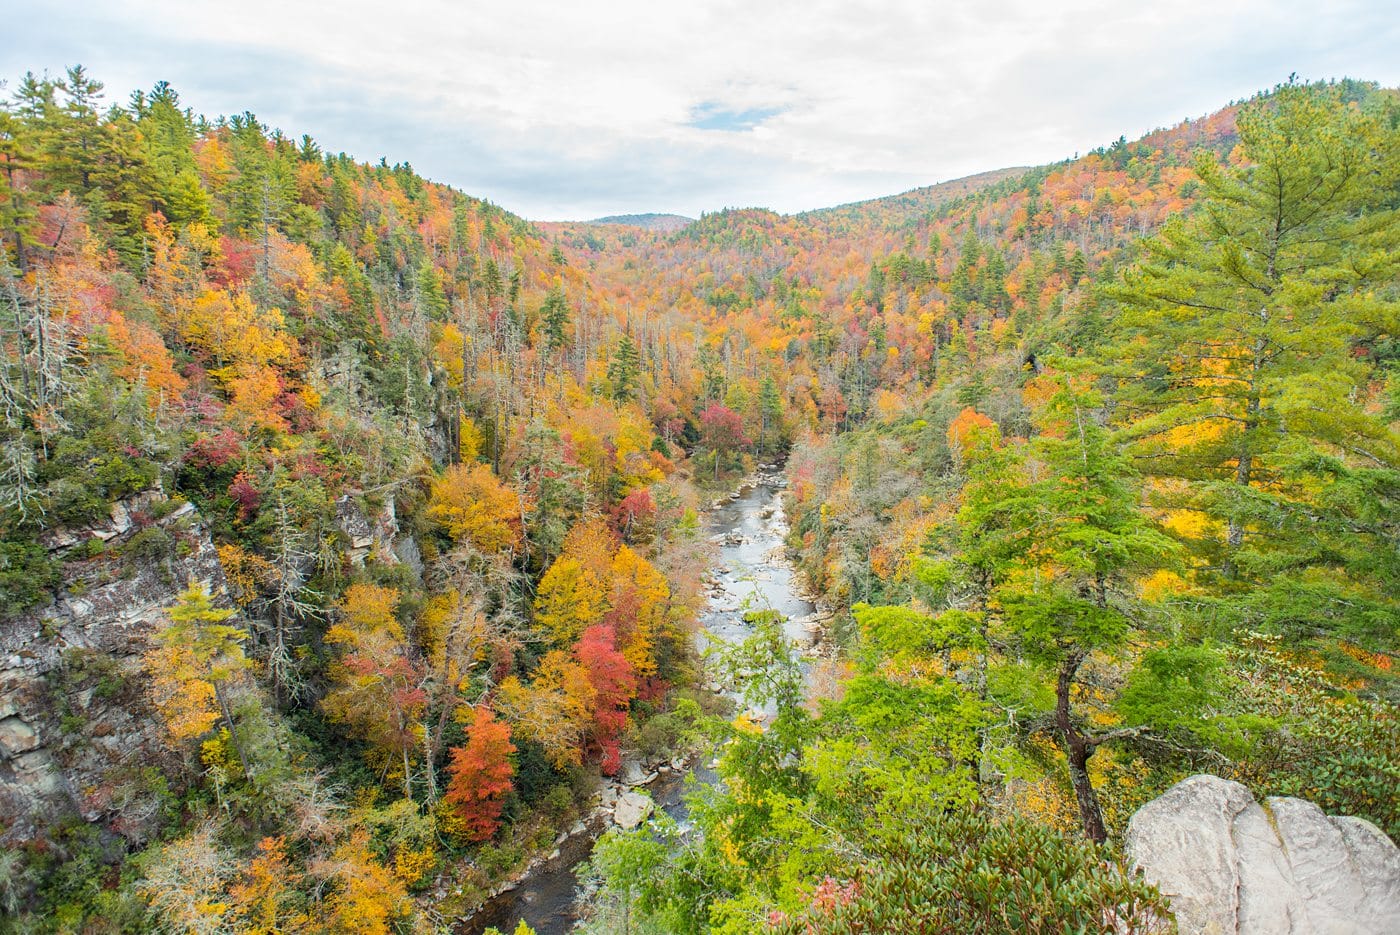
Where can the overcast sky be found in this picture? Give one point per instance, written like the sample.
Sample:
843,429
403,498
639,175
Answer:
578,108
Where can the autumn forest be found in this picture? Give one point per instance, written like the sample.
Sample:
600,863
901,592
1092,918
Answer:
354,531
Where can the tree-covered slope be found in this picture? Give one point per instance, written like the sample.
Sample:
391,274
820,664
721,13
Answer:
1094,465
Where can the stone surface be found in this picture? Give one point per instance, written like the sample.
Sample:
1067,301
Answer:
374,536
77,734
1231,865
632,809
634,773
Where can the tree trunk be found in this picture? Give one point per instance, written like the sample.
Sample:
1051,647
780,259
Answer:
1078,749
1244,465
233,734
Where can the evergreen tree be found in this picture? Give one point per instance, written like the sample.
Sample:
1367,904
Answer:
74,140
770,411
624,370
554,316
16,212
1065,592
1242,383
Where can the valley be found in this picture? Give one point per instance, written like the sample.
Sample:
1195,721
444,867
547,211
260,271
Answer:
363,543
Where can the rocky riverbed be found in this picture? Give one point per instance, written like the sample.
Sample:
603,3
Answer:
751,572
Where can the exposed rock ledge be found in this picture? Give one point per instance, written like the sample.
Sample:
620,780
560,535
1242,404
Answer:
77,734
1230,865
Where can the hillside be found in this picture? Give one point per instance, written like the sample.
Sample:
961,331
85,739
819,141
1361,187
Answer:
923,199
351,526
665,223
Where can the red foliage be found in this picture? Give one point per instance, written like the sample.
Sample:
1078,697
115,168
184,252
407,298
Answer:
615,686
240,259
245,494
722,428
635,516
481,773
214,450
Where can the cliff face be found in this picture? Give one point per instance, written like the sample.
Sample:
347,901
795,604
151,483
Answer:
1233,866
78,737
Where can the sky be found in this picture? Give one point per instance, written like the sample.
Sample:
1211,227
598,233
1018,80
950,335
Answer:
573,110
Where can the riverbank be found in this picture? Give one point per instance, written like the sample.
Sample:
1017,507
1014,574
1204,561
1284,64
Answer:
750,571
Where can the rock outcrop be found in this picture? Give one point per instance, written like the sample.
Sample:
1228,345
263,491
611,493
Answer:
77,735
632,809
1231,865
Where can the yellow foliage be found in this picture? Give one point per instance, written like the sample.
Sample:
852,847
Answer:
260,899
367,611
185,701
1162,584
570,600
447,352
554,710
412,866
472,505
888,404
1191,524
449,821
244,572
233,331
635,580
746,722
214,752
632,444
470,440
593,545
436,624
253,393
370,899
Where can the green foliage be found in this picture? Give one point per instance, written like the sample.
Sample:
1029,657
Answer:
624,370
27,575
1239,338
1313,738
965,872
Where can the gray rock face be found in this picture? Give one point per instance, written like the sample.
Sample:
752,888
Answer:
375,536
77,734
632,809
1230,865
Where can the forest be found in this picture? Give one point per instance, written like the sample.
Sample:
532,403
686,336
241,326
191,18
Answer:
1094,466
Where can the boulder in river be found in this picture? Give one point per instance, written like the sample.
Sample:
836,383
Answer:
632,809
1231,866
633,773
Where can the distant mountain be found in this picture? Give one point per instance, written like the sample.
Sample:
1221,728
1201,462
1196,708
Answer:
925,198
664,223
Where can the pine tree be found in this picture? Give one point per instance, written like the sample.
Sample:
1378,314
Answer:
554,316
1242,383
624,369
1082,538
770,410
16,212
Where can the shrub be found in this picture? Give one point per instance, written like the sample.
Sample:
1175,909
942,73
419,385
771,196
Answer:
27,574
968,873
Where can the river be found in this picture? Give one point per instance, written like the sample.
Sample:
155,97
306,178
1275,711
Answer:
750,572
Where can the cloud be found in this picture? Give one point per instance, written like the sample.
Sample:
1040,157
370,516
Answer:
589,108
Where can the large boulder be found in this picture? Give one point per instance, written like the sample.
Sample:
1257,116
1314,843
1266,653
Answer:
632,809
1231,865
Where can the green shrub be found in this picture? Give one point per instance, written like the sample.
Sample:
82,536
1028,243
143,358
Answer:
151,544
27,575
970,874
